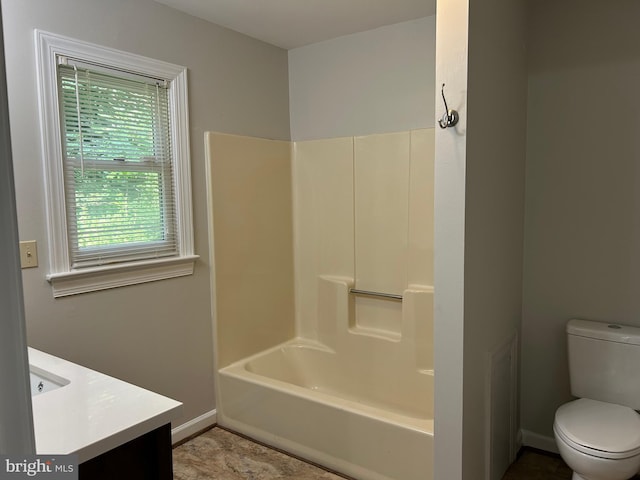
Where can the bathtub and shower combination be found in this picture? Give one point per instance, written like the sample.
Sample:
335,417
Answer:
314,416
352,388
354,408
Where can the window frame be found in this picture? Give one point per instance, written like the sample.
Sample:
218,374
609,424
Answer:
64,279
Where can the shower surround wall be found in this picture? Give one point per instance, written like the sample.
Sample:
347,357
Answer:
249,187
363,211
346,381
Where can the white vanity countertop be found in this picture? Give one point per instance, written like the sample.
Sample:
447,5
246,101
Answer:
94,412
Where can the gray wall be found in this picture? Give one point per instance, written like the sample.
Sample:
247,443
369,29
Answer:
157,335
494,206
582,249
377,81
479,206
16,423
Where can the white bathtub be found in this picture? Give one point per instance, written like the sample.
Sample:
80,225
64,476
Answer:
356,415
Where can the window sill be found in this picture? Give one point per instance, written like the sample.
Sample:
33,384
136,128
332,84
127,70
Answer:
103,278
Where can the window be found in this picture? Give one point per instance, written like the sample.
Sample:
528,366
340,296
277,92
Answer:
116,161
116,146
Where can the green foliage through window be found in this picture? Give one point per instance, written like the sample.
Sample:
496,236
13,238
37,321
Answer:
133,207
118,169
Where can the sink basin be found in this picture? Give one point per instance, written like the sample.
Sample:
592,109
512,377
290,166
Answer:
43,381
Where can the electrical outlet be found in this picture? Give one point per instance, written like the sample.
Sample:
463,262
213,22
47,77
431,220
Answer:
28,254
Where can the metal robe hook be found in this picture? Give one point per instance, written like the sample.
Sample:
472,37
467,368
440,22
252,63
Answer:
450,117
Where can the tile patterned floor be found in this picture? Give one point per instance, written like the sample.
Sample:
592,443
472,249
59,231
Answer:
221,455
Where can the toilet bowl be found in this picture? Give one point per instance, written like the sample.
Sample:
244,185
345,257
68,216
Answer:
598,440
598,435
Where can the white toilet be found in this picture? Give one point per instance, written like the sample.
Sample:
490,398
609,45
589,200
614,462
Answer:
598,435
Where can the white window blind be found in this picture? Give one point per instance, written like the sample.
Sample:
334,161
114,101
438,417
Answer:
119,186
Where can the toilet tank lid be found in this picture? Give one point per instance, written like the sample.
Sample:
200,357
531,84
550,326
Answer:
604,331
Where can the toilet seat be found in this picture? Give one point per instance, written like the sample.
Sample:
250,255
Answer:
599,429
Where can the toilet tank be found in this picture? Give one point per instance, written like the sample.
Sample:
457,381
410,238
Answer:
604,362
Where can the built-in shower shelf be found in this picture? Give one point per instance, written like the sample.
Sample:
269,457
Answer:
376,333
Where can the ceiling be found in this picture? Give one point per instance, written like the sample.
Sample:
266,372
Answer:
294,23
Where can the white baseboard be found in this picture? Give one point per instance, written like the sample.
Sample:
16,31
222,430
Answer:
193,426
541,442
